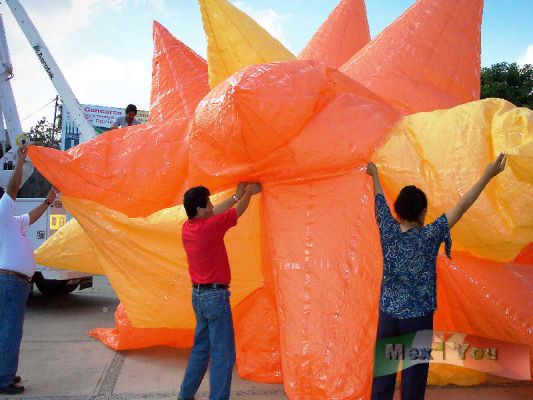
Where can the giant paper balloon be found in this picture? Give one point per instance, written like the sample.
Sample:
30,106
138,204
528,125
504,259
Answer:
306,308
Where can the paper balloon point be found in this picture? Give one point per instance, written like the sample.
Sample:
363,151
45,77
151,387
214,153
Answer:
343,34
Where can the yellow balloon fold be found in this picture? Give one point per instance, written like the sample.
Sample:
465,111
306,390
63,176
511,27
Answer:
144,258
444,152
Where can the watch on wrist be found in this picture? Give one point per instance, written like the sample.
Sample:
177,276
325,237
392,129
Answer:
234,197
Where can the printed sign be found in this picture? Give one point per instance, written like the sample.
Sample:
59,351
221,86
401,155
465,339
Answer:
57,221
100,117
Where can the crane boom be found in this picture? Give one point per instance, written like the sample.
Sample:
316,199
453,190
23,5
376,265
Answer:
8,109
50,66
7,100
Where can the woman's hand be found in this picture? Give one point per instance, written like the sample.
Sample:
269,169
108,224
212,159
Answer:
371,169
495,167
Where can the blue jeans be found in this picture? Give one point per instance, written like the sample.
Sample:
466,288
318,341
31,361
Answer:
414,378
13,295
213,339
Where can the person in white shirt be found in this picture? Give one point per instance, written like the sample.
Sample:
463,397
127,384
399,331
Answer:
17,266
128,119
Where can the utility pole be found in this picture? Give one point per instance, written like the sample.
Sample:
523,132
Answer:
53,133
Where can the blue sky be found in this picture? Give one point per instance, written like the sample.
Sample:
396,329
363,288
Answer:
104,47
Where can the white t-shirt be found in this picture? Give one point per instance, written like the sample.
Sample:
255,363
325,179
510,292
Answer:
121,121
16,250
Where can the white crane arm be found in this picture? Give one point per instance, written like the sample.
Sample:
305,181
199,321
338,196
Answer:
52,69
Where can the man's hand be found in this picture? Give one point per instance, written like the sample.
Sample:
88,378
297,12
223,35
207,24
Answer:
241,187
254,188
251,189
495,167
22,153
16,177
38,211
228,203
52,193
371,169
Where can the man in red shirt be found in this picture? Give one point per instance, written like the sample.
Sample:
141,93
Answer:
203,240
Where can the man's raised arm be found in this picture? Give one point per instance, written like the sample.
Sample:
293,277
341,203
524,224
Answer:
38,211
251,189
228,203
16,177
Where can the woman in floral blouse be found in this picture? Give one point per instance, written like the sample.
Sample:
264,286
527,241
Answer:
408,288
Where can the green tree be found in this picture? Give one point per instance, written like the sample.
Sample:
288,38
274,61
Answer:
510,82
44,133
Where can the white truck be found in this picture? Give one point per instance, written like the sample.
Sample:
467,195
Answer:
47,280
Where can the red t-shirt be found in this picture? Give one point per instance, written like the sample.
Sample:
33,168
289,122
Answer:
203,240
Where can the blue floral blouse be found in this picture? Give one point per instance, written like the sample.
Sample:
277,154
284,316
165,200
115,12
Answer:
409,284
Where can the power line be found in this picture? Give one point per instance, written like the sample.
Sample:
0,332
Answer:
36,111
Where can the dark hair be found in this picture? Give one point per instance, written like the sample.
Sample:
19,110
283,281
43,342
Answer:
2,191
410,203
195,197
130,108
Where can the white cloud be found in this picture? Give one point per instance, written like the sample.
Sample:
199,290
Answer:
96,79
32,88
527,57
159,6
269,19
109,81
58,22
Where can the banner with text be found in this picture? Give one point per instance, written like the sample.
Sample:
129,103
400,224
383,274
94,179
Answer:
100,117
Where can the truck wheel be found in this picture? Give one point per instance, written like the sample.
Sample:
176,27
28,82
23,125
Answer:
54,287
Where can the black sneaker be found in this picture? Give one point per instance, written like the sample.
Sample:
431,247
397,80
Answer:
17,379
12,389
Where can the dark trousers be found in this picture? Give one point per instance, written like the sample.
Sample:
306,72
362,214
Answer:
413,378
